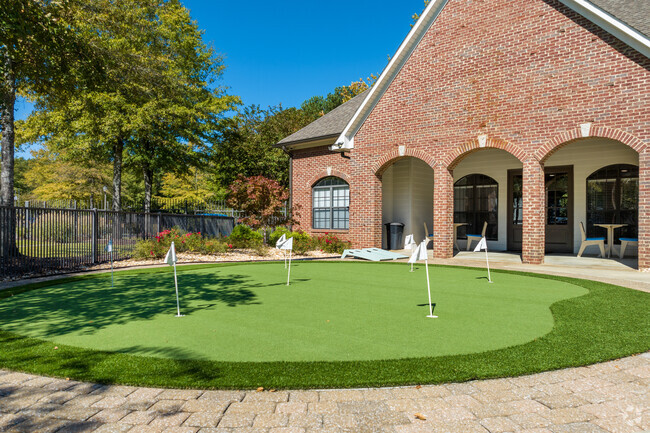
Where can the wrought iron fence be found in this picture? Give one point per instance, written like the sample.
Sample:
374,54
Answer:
44,240
158,204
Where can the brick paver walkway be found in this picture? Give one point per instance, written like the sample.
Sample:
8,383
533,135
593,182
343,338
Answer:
608,397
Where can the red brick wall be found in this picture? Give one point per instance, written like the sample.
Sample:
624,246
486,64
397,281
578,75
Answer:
526,73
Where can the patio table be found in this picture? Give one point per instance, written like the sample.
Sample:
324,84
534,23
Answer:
456,225
610,235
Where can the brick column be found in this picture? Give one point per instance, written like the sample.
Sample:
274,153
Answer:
443,212
644,211
534,223
365,210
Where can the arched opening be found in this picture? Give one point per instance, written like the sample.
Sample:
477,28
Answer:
613,198
595,189
476,201
331,204
486,184
407,197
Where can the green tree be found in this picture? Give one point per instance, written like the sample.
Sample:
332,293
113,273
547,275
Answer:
160,103
39,52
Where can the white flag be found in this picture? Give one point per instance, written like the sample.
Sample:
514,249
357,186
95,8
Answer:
420,253
409,243
170,258
287,245
280,241
482,245
109,246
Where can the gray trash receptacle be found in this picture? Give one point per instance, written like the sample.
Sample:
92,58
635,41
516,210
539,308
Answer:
394,233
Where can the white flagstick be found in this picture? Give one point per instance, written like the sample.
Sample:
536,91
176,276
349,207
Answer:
112,280
487,262
178,304
289,273
426,266
285,259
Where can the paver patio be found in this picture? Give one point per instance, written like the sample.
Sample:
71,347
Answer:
607,397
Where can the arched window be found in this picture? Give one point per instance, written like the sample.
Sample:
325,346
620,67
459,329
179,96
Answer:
331,204
613,198
476,201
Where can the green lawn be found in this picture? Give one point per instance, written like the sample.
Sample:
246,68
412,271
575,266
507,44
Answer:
338,324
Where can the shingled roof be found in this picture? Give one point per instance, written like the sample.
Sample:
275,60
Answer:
328,126
634,13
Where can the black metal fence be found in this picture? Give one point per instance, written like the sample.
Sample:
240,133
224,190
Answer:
44,240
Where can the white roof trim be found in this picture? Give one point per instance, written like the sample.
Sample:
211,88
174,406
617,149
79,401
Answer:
404,51
607,22
610,24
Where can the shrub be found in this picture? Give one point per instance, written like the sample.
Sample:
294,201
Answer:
243,236
332,244
213,246
277,234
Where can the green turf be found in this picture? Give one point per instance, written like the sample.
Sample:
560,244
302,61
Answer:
593,322
342,312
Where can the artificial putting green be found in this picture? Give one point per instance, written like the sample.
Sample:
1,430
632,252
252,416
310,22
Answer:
339,324
330,312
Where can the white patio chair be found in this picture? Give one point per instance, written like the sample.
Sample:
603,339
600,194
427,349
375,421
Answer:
625,242
590,241
471,238
427,237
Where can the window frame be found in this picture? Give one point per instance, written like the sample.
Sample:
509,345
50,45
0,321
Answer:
340,184
492,234
631,230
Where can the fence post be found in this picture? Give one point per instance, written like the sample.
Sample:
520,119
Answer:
158,222
95,236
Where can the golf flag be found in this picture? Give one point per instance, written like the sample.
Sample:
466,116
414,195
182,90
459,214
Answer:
170,259
421,254
278,244
288,245
482,245
109,249
409,243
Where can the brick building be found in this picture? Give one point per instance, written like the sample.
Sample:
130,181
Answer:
530,115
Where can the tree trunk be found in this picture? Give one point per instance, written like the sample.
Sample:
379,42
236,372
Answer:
8,246
7,104
147,172
118,149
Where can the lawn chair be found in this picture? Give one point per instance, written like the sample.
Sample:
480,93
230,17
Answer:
427,237
625,242
590,241
470,238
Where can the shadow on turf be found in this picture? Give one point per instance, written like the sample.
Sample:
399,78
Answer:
87,306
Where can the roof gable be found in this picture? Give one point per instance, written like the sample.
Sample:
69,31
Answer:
610,21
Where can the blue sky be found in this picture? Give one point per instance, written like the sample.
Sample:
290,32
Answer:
288,50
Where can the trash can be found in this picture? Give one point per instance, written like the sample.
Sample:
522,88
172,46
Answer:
394,232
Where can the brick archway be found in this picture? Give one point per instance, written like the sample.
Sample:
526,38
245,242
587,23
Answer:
389,158
458,154
332,173
572,135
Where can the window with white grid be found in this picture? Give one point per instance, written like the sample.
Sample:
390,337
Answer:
331,204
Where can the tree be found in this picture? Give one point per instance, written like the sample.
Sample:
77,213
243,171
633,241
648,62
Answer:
160,103
262,200
55,178
245,145
191,187
39,52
